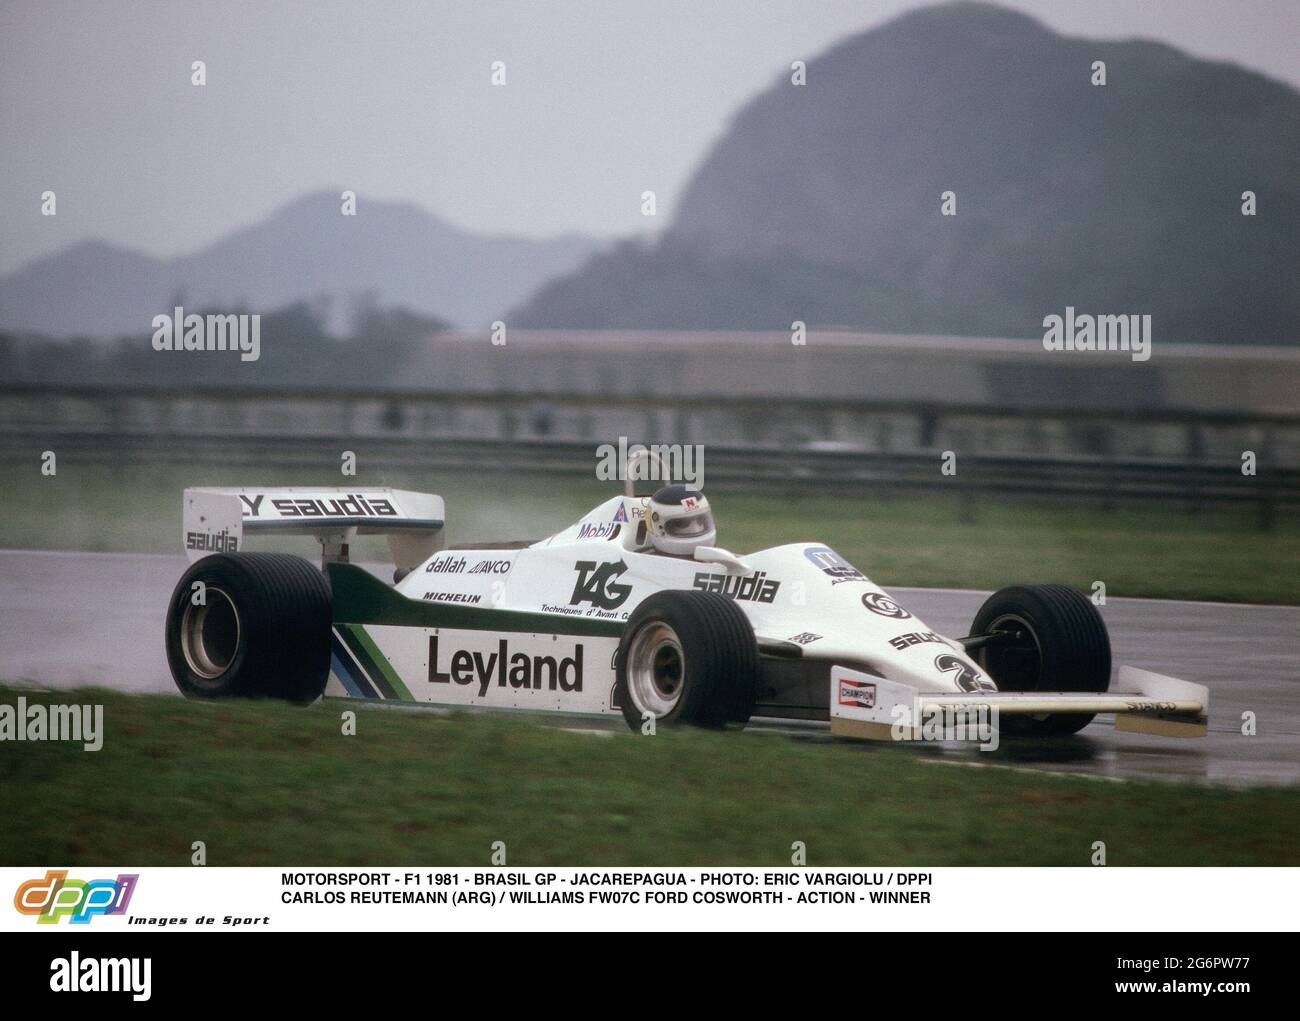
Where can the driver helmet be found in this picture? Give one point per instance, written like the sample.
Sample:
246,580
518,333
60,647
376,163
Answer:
678,520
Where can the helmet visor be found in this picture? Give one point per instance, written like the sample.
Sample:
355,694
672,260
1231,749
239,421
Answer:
690,526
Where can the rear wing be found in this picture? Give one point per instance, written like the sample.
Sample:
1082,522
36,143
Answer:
219,520
870,707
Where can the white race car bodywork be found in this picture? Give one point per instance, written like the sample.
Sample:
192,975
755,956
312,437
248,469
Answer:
537,626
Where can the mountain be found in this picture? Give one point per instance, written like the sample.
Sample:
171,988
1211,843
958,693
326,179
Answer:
398,254
821,202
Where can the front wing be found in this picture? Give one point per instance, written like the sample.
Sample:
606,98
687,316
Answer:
870,707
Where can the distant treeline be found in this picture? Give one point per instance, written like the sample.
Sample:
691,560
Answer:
295,349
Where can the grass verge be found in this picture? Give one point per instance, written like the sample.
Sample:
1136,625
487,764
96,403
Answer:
268,784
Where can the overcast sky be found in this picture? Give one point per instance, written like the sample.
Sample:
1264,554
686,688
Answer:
604,99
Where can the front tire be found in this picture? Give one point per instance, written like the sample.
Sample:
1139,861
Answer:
262,629
687,658
1055,640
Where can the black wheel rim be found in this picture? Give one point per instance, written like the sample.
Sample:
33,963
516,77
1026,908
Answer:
1014,659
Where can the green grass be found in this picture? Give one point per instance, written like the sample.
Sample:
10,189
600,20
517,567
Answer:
264,784
1152,550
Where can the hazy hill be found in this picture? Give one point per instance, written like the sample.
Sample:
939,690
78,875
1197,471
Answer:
307,249
822,202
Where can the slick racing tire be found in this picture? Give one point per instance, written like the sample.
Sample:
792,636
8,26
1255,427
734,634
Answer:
687,658
262,630
1052,639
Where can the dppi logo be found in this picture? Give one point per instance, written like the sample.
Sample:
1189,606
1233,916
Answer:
56,895
596,584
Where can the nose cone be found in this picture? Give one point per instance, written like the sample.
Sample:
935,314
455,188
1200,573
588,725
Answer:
940,668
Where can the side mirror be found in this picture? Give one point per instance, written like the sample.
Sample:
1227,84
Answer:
718,555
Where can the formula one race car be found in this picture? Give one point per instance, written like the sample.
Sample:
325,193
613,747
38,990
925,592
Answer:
631,610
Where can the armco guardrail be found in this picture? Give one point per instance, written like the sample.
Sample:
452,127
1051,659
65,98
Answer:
485,434
877,425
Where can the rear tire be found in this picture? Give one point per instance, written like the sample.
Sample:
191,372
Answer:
1060,644
263,630
687,658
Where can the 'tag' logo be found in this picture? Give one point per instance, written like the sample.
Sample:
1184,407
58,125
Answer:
56,895
596,584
